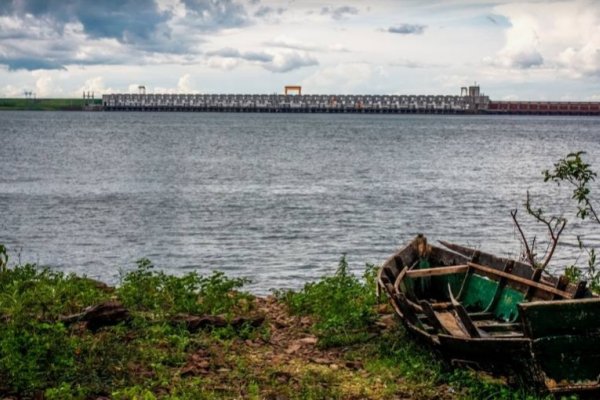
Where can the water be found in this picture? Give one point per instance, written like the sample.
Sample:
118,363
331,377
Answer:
274,197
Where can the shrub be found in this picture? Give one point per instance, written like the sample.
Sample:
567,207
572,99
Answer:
146,289
34,356
342,304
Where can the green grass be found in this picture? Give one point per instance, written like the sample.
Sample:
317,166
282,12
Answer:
39,354
342,304
343,307
43,104
145,358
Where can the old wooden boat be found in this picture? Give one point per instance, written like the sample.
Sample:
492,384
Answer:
497,314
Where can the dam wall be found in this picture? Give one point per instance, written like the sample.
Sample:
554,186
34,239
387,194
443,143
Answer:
296,103
470,101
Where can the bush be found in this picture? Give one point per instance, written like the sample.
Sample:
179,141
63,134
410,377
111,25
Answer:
342,304
27,292
146,289
41,357
34,356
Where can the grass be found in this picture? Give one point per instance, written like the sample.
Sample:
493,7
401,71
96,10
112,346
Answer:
44,104
343,307
151,358
342,304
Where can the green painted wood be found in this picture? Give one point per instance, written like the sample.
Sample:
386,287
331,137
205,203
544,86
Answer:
408,287
566,317
439,285
507,306
568,359
512,356
478,293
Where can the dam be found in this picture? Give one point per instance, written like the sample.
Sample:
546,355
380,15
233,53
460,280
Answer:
470,101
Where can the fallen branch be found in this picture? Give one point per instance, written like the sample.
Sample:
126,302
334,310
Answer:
98,316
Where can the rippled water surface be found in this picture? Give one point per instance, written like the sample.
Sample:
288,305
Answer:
274,197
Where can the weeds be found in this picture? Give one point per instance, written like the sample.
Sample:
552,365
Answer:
39,355
148,290
147,358
342,305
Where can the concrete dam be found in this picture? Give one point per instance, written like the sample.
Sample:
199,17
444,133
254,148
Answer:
470,101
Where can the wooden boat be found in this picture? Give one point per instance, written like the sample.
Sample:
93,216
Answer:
497,314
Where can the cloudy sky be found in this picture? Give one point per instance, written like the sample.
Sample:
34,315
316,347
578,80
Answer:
514,50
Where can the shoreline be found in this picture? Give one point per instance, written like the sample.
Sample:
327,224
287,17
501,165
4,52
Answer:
203,337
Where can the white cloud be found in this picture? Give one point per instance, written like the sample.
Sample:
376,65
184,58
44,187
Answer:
186,84
526,46
95,85
291,43
225,64
289,60
45,85
11,91
133,88
345,78
563,36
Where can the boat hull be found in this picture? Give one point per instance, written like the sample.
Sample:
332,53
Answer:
524,329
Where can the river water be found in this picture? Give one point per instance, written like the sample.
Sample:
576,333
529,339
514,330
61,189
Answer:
277,198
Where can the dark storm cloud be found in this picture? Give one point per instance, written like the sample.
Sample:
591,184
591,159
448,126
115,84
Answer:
338,13
124,20
29,63
139,26
407,29
212,15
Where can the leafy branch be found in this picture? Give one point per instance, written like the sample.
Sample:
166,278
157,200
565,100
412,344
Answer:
573,170
555,226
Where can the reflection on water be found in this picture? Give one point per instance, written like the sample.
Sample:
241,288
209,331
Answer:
277,198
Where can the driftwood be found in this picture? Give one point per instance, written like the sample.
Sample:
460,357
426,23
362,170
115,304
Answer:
104,314
194,323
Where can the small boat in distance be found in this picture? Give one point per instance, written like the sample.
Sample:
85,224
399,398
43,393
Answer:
497,315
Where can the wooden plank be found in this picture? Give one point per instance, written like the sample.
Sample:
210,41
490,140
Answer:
431,316
535,277
399,279
520,269
488,325
434,271
562,284
406,310
450,324
466,322
481,315
508,267
565,317
523,281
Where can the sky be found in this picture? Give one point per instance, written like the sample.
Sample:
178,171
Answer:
515,50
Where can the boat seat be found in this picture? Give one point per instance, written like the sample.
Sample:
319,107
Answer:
450,323
463,316
453,321
487,295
